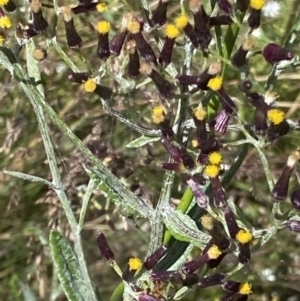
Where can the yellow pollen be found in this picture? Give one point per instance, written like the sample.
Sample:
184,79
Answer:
134,264
215,158
200,113
3,2
181,21
212,171
215,83
5,22
101,7
103,27
2,40
257,4
171,31
195,143
243,236
207,222
90,85
245,288
133,27
158,114
214,252
276,116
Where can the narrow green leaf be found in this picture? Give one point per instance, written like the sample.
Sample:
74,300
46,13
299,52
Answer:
183,228
141,141
67,267
128,201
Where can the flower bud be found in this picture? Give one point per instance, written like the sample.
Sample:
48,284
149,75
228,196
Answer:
74,41
103,51
211,280
280,189
182,22
133,68
225,6
165,88
171,32
295,199
160,13
274,53
145,50
104,248
39,22
154,258
293,225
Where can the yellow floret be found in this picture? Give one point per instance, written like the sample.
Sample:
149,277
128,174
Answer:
214,252
2,40
5,22
103,27
243,236
3,2
215,83
195,143
90,85
215,158
134,264
158,114
171,31
207,222
212,171
245,288
200,113
133,27
101,7
181,21
276,116
257,4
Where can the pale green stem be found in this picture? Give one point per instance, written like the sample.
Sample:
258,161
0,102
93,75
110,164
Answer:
30,178
33,72
87,196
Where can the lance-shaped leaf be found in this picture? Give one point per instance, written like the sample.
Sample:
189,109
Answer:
141,141
67,267
183,228
127,200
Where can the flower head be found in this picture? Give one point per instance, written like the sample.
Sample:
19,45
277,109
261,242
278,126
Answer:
3,2
257,4
215,83
214,252
103,27
90,85
243,236
212,170
158,114
276,116
5,22
207,222
101,7
215,158
182,21
134,264
171,31
200,113
245,288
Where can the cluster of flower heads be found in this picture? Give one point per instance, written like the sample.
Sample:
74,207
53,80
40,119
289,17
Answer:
268,121
144,283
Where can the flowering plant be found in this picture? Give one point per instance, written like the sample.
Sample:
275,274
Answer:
183,57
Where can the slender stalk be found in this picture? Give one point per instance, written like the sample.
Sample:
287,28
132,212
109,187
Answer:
33,72
87,196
